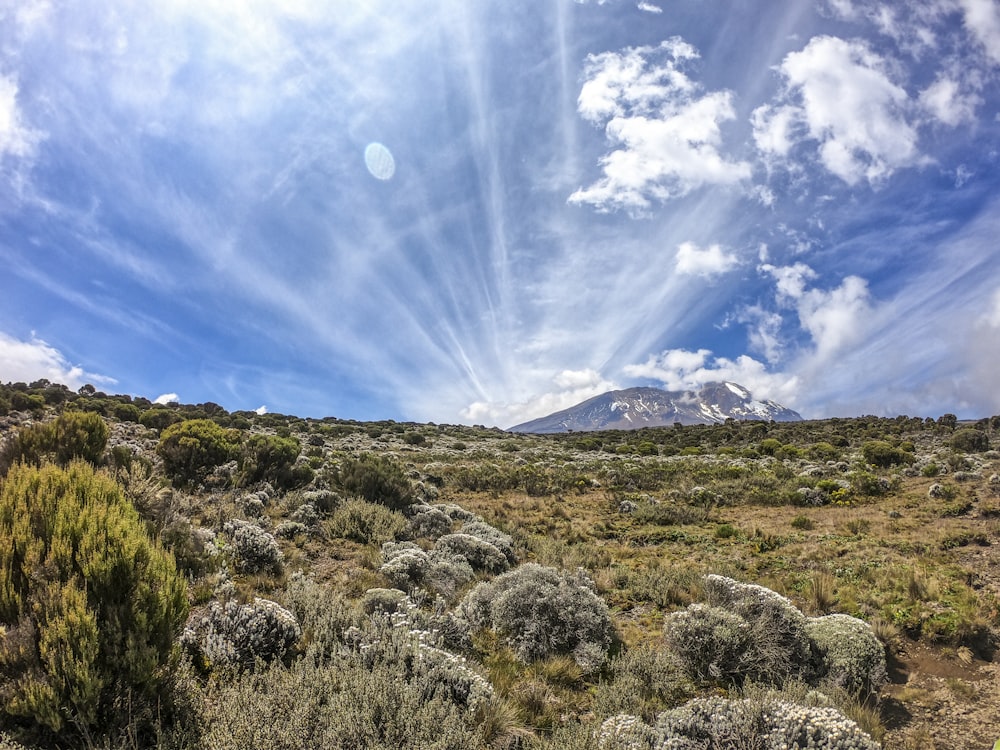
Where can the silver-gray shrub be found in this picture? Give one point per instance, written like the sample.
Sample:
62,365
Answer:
456,512
405,564
541,612
442,571
711,644
290,529
253,550
234,635
853,657
721,723
780,645
306,514
480,554
388,694
493,535
428,522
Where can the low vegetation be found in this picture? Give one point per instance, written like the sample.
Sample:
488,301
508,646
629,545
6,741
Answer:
181,576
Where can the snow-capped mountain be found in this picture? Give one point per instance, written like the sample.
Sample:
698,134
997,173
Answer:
633,408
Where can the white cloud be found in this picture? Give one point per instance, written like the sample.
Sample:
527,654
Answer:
261,410
573,387
839,94
167,398
649,7
16,138
982,18
664,132
681,369
791,280
945,101
26,361
835,318
708,262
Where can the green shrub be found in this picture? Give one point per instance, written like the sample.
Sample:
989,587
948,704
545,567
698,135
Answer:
193,448
73,435
376,480
126,412
90,604
969,441
884,455
269,458
159,419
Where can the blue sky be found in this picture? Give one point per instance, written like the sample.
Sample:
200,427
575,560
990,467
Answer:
483,212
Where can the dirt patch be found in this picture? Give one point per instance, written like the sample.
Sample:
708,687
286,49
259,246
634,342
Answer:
937,701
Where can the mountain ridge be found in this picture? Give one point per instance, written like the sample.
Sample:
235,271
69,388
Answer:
644,406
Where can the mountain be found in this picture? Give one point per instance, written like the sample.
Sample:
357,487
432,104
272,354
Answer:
633,408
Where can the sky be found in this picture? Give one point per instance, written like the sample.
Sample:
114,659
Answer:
483,212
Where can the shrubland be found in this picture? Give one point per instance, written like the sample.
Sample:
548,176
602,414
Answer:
182,576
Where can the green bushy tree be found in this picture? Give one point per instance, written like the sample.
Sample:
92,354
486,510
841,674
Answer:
969,441
272,458
882,454
192,448
89,603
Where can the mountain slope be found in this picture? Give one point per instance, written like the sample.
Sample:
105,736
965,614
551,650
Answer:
633,408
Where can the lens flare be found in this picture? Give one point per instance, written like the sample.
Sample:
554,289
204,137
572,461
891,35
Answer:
379,161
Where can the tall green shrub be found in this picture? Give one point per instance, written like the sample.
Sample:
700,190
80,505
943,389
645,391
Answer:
192,448
269,457
70,436
377,480
89,603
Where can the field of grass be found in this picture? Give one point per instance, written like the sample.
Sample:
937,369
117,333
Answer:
892,521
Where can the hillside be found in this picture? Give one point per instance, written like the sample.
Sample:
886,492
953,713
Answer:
371,584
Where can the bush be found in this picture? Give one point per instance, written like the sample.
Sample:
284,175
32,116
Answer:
884,455
721,723
747,632
710,644
376,480
159,419
193,448
90,604
481,555
234,635
389,691
253,549
853,658
367,523
428,522
73,435
541,612
969,441
269,458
